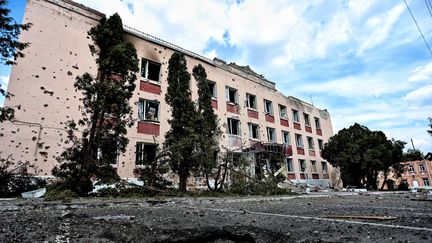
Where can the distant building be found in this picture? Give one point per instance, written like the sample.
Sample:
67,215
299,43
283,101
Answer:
417,174
254,117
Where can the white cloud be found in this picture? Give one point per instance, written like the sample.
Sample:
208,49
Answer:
211,54
420,94
4,80
421,73
379,28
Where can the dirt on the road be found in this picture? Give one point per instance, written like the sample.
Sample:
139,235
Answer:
313,218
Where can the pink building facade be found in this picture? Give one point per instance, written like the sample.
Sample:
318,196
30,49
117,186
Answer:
252,112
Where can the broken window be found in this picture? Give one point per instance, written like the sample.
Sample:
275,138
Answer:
320,144
231,95
283,111
148,110
253,131
302,165
285,137
324,167
268,107
233,126
289,165
306,119
271,135
251,101
317,123
212,87
426,182
145,153
421,167
295,116
310,143
150,70
313,166
299,140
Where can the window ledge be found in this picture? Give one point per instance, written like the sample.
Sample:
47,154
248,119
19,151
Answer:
214,98
149,121
235,136
254,139
252,109
231,103
269,114
150,81
284,118
296,122
306,125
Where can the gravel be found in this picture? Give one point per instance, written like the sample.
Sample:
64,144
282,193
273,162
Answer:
308,218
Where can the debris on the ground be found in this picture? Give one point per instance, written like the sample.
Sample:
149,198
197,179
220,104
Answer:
114,217
35,193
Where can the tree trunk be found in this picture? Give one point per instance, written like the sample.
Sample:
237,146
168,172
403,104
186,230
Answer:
183,181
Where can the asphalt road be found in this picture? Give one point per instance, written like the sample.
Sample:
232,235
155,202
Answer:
331,217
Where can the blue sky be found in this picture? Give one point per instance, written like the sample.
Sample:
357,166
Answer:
362,60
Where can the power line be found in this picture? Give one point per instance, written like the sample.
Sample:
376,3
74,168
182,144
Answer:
429,7
418,27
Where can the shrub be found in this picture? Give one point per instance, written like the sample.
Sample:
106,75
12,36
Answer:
60,195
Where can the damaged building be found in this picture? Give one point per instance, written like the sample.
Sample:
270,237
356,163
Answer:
277,134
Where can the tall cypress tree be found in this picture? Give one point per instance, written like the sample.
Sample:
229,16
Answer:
106,109
181,139
206,125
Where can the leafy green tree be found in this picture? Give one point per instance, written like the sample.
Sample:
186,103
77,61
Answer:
412,155
181,139
11,49
361,154
206,125
106,110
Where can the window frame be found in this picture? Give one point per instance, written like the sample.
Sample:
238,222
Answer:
317,123
296,117
251,128
230,126
248,101
286,137
142,110
229,89
320,144
268,107
426,182
144,144
213,90
306,119
146,74
411,168
310,141
289,164
422,168
302,165
283,116
273,132
313,166
299,140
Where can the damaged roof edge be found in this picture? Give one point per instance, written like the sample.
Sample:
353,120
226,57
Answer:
306,103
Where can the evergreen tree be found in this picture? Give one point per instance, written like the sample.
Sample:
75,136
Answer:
106,112
207,124
11,49
181,139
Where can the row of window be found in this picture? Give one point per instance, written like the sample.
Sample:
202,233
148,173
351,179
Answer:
303,168
251,102
254,133
420,166
151,70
